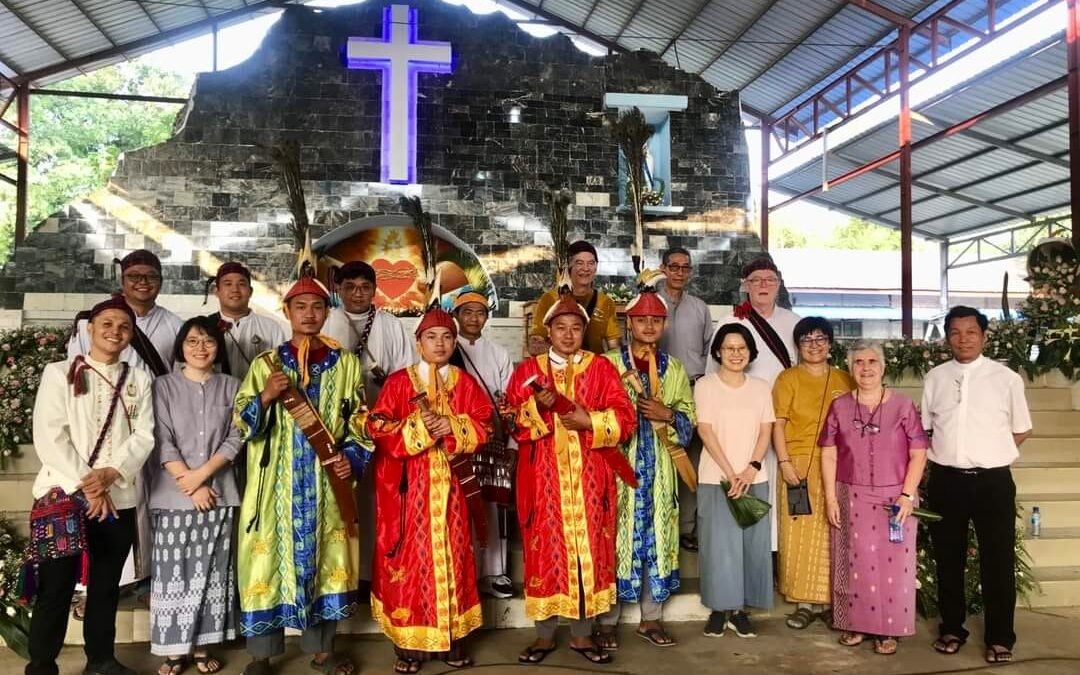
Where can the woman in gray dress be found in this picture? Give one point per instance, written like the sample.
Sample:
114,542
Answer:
193,502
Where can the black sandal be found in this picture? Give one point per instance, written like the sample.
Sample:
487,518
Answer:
534,654
998,654
175,664
334,664
948,644
403,665
592,654
202,664
800,618
688,542
656,636
606,638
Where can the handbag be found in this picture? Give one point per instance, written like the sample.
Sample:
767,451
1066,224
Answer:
58,520
798,496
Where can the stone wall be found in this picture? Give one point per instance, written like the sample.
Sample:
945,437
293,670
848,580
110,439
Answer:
211,192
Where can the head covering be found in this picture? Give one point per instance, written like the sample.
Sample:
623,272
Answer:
581,246
307,285
354,269
116,301
231,267
761,263
470,297
436,317
648,302
566,305
138,257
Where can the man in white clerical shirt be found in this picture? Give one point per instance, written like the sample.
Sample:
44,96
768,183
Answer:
151,350
384,346
489,363
773,328
247,333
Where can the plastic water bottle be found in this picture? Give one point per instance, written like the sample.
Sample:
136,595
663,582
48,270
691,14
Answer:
896,530
1036,522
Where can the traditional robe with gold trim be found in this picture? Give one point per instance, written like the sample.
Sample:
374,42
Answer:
566,496
423,587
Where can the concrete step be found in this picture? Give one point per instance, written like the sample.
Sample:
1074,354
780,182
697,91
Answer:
1056,510
1055,423
1059,587
1063,450
15,491
1038,398
1041,479
1056,547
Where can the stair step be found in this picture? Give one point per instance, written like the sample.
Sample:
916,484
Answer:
1056,547
1055,510
1063,450
1059,587
16,491
1045,479
1047,423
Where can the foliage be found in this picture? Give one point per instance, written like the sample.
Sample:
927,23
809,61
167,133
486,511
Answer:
559,201
14,617
619,293
1054,302
632,134
927,579
75,142
24,353
1010,343
853,234
902,357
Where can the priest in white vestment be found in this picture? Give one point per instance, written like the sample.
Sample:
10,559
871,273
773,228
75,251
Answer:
247,333
776,347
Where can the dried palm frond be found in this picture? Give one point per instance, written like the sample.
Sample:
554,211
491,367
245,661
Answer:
559,201
287,157
422,222
632,134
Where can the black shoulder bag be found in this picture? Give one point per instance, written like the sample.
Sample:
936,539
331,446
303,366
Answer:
798,496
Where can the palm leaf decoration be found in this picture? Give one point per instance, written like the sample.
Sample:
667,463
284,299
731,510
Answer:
559,201
287,157
422,222
632,134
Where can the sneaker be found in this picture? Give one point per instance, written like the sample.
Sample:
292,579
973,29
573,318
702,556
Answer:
714,627
740,623
497,587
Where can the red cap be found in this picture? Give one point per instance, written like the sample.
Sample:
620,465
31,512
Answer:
647,303
566,305
116,301
306,285
436,318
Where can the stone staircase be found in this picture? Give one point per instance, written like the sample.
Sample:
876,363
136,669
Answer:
1047,475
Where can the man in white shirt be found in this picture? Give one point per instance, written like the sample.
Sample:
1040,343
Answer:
93,430
977,416
489,363
384,346
773,329
247,333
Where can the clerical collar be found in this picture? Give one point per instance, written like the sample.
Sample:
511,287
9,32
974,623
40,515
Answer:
971,365
361,315
558,361
466,341
235,319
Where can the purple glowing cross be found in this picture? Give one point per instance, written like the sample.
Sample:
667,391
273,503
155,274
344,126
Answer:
400,56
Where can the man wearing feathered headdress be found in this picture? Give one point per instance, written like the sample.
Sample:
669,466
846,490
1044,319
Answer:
647,543
573,415
300,411
429,420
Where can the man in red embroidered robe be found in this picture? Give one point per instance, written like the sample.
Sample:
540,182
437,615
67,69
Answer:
423,589
572,416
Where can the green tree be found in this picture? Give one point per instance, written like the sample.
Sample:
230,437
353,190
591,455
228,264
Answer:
75,142
862,235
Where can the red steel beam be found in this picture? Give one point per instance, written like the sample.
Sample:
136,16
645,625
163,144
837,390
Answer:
904,127
883,12
22,182
1072,33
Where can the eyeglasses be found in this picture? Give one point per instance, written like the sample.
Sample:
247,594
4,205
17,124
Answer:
819,341
763,281
682,269
734,350
142,278
868,427
349,289
200,342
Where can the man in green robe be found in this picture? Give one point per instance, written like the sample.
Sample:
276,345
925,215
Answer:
647,542
299,558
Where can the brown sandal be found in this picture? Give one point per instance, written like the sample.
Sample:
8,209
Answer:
849,639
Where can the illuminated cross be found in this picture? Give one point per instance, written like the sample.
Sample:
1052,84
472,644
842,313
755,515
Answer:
400,56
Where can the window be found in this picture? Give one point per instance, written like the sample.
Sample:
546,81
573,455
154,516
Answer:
847,330
657,109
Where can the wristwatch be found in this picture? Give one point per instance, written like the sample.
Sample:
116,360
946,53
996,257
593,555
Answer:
756,464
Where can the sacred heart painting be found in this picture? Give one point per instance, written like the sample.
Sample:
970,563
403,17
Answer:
391,245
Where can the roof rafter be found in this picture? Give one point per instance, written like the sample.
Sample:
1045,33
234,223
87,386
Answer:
33,29
738,36
629,19
686,25
1005,144
82,10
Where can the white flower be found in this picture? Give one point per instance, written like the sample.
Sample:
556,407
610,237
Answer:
11,611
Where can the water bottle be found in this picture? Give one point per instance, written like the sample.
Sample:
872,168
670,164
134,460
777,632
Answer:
1036,522
896,530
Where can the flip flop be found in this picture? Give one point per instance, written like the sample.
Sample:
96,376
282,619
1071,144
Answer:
406,666
886,646
998,654
592,654
948,645
606,639
175,664
203,664
534,654
653,635
849,639
335,664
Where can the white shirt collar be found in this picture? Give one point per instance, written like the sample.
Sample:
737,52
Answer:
361,315
558,361
425,368
965,367
462,340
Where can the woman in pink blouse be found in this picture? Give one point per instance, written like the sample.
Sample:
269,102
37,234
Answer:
873,452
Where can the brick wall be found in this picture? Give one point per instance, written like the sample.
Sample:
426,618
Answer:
211,193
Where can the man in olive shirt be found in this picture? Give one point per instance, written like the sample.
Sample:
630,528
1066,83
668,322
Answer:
602,331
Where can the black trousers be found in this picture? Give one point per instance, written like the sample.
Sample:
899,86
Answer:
109,544
987,498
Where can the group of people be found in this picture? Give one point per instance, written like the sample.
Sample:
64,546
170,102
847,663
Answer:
263,480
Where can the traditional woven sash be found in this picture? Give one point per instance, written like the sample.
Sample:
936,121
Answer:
769,337
314,430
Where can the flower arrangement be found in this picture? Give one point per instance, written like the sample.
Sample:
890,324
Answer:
652,197
24,353
620,293
1010,342
902,357
14,616
1054,301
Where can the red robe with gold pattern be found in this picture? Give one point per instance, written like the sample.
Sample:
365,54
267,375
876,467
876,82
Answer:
566,498
423,587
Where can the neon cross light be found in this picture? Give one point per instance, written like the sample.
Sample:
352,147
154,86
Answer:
400,56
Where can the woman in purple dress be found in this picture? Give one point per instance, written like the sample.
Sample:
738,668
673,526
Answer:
873,452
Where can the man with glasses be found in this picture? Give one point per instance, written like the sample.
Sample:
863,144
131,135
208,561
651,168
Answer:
602,331
977,415
773,329
687,337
